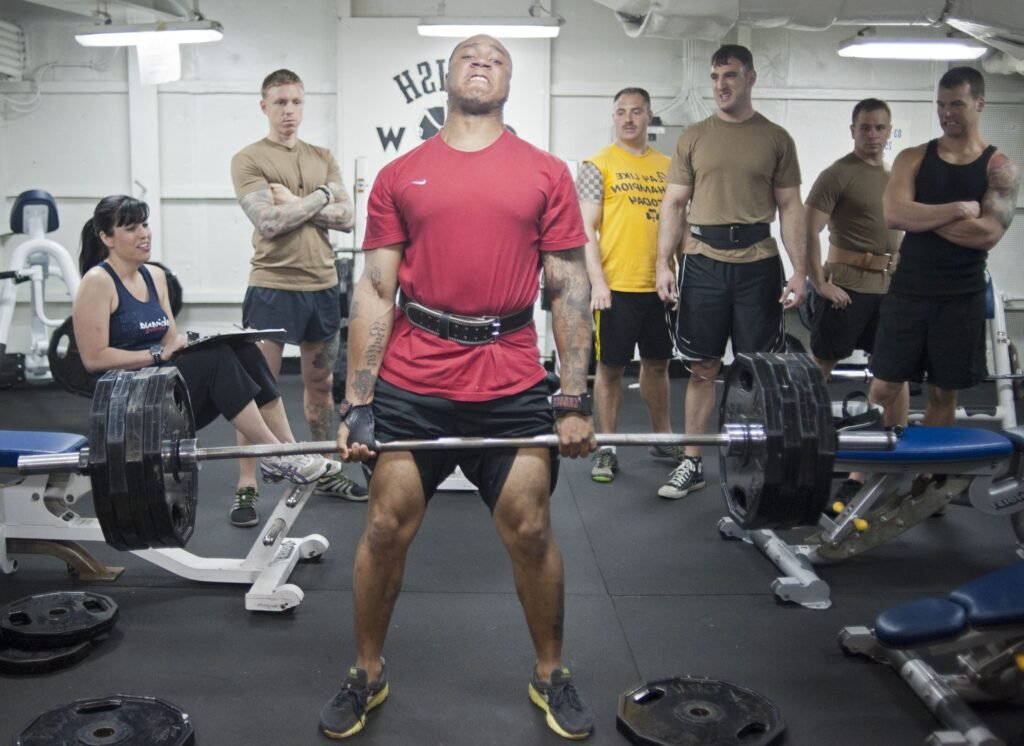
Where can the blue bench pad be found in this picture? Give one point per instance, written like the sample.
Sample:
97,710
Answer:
939,444
15,443
919,622
995,599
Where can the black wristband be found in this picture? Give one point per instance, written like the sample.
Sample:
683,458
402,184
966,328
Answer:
564,404
327,191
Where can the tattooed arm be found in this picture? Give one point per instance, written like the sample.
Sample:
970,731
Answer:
276,210
338,214
997,208
370,321
565,277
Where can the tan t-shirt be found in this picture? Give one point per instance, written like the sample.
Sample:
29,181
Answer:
850,193
301,259
734,169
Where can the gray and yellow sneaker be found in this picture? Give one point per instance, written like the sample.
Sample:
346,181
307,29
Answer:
566,713
345,714
606,463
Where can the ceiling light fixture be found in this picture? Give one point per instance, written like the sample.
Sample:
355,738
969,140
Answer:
177,32
866,46
541,24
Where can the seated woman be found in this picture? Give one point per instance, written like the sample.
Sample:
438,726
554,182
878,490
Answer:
123,321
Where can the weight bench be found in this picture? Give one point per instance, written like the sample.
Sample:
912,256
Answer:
36,516
979,628
980,468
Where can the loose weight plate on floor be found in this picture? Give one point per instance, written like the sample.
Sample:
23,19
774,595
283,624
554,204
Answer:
118,720
57,620
29,662
695,711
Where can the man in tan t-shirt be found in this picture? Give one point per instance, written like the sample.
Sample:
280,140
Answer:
862,251
293,194
729,175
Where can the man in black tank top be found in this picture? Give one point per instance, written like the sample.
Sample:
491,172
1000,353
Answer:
955,198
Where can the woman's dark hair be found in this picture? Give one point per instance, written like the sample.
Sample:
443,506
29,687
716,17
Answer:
115,211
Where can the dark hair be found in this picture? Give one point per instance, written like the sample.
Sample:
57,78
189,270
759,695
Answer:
869,105
280,77
957,76
115,211
733,52
634,92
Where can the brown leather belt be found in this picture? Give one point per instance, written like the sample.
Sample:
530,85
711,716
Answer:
466,330
863,259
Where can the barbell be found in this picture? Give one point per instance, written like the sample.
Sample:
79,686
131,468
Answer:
776,442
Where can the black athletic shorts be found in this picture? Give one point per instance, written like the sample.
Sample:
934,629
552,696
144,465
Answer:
402,415
634,319
837,332
723,300
305,315
943,337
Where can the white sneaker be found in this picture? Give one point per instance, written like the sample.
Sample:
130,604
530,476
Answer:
300,468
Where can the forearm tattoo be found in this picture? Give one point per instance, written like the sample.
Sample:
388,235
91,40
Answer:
272,220
590,183
565,277
338,215
371,335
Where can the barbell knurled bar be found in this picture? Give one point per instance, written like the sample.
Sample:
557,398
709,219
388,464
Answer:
734,440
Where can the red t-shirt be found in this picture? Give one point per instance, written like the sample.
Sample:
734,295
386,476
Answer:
473,225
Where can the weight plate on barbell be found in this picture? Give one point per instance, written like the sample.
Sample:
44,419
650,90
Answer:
694,711
118,443
119,719
100,467
134,462
819,442
171,490
57,620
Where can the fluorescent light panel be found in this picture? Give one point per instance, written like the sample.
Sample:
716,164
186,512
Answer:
911,49
178,32
508,28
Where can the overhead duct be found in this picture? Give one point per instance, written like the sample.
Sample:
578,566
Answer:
998,23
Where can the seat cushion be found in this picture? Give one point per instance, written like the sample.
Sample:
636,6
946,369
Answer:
919,622
995,599
15,443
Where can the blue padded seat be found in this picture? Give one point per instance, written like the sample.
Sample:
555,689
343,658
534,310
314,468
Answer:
919,622
995,599
939,444
15,443
1016,436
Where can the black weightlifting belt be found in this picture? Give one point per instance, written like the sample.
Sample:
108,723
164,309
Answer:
738,236
465,330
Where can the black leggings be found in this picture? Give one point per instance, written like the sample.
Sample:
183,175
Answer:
224,378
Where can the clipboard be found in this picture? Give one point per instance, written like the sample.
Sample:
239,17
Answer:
197,341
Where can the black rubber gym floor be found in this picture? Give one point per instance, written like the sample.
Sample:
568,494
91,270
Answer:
652,592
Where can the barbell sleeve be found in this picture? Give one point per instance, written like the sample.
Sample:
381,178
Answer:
188,453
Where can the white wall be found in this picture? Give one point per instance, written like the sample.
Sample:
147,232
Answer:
75,139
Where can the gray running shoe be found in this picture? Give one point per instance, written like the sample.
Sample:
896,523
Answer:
606,463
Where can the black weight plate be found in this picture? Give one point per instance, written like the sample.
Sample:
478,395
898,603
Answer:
121,719
134,460
693,711
99,465
56,620
819,440
171,491
30,662
66,364
117,444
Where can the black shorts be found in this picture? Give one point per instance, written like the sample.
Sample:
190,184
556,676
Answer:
222,380
305,315
837,332
942,337
723,300
634,319
402,415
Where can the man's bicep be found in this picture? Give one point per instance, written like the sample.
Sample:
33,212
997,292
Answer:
787,198
816,219
590,183
1000,200
381,269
